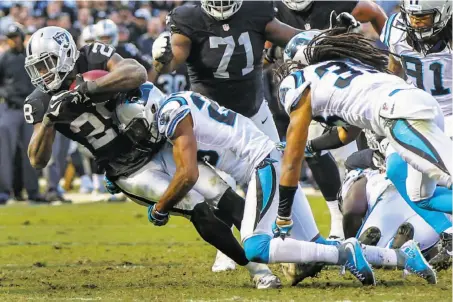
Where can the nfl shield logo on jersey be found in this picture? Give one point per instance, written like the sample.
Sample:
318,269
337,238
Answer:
307,26
226,27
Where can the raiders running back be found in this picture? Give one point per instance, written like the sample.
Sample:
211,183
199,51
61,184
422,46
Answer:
91,125
431,72
226,140
225,61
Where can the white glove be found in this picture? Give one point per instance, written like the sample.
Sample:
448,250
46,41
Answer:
162,49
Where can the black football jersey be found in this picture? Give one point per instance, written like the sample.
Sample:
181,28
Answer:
129,50
225,61
173,82
91,126
317,16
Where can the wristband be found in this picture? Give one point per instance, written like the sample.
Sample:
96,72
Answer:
286,200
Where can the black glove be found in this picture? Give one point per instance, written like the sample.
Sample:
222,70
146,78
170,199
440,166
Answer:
58,104
80,92
343,20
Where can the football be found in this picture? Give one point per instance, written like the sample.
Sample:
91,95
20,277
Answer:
90,76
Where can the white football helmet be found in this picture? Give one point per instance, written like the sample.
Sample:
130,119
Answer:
136,117
107,29
88,35
297,5
221,10
441,11
295,49
51,56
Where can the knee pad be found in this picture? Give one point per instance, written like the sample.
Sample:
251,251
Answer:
257,248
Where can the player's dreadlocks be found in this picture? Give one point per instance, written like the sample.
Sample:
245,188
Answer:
338,43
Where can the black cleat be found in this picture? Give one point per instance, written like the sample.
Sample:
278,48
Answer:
404,233
297,272
371,236
56,198
442,260
38,198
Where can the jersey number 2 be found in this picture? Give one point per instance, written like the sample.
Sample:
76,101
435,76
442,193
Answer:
102,49
244,39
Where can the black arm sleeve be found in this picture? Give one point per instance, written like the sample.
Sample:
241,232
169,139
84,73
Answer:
327,141
360,160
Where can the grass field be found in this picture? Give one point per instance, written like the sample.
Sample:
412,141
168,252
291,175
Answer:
110,252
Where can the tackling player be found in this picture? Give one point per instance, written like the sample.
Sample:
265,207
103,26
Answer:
308,14
346,85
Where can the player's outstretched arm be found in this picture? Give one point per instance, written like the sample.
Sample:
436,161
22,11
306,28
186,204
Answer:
185,156
40,146
280,33
367,11
125,74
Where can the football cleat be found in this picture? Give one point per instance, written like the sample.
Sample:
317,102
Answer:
223,263
352,258
297,272
404,233
415,263
267,281
370,236
442,260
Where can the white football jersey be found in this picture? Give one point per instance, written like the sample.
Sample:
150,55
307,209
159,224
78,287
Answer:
343,92
431,73
225,139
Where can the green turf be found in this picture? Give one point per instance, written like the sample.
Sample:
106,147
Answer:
110,252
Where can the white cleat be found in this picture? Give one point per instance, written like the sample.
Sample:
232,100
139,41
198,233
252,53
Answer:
267,281
223,263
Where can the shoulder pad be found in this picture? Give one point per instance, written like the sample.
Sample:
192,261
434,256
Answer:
172,111
291,89
97,53
183,19
35,106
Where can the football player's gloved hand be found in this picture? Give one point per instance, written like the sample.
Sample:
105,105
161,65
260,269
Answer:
343,20
282,227
270,54
80,92
157,218
162,52
111,187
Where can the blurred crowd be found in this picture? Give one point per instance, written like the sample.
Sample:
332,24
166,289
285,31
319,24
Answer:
138,23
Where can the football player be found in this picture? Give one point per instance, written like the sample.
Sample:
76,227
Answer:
107,33
420,40
197,127
346,85
83,115
88,35
308,14
376,213
222,43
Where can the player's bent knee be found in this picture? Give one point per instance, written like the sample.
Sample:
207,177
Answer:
257,248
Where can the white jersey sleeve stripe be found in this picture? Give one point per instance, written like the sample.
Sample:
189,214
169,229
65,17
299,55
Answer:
175,121
388,30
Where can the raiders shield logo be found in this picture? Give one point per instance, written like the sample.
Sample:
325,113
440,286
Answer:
61,38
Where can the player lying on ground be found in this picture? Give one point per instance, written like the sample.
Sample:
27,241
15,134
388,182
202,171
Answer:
83,115
376,213
195,126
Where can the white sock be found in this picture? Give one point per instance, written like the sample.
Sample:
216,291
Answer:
336,219
257,269
97,181
380,256
294,251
